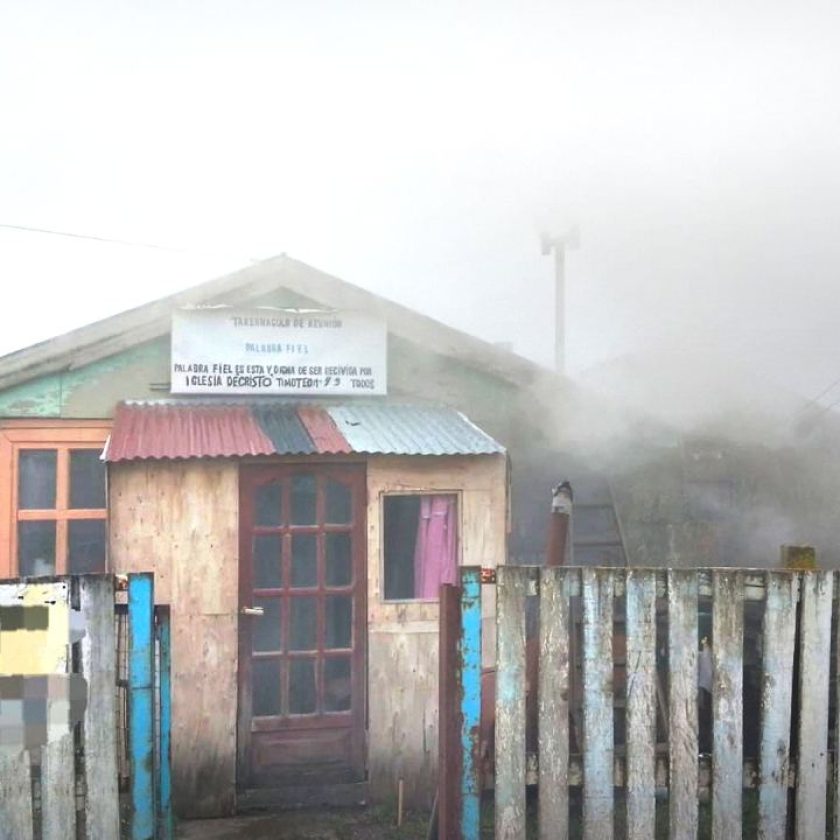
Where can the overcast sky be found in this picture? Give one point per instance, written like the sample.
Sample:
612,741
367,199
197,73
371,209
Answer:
417,149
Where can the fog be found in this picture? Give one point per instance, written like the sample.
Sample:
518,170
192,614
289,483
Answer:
418,150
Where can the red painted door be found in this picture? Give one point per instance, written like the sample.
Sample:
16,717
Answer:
302,624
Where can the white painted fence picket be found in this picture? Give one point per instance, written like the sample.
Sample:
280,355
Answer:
661,607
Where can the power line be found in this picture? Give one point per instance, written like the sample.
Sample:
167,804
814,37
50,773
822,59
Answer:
70,235
814,401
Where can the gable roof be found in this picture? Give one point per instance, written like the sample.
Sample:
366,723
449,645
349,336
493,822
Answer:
153,320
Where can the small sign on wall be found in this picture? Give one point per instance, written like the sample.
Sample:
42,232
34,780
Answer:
226,350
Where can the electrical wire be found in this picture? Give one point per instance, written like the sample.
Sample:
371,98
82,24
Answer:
48,231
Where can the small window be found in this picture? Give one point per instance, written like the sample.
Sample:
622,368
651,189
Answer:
61,510
420,545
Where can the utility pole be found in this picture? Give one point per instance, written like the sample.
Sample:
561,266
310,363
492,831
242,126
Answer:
559,245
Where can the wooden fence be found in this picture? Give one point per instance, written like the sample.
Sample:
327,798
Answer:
619,653
61,781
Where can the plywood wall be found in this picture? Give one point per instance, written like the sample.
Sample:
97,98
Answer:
403,637
180,520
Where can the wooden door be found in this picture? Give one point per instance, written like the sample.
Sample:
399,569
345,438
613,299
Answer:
302,660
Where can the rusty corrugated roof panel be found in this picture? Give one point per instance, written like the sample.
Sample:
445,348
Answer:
386,428
323,432
184,429
150,430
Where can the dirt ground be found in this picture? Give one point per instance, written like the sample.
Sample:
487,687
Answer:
323,824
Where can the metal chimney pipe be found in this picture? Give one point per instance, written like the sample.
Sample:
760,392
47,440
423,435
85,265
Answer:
562,500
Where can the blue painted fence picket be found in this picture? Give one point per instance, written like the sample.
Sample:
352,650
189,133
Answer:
149,712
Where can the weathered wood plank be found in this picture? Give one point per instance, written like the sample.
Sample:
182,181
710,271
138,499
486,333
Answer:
141,663
399,749
727,704
449,781
469,652
779,636
154,525
166,818
554,704
511,588
58,790
814,661
15,797
597,704
640,591
836,779
99,668
682,703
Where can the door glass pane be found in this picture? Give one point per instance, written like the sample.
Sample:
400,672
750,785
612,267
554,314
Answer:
338,621
267,503
337,685
86,546
304,560
265,686
339,558
36,479
302,695
268,561
87,479
303,500
303,624
36,548
267,631
339,503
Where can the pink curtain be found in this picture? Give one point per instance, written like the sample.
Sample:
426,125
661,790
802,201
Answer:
434,553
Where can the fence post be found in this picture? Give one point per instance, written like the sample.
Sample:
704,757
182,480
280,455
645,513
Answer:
99,666
470,661
164,776
141,668
449,715
510,702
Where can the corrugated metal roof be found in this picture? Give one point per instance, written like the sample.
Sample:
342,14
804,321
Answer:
174,429
170,431
410,430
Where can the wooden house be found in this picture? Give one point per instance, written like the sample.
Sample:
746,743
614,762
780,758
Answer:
299,538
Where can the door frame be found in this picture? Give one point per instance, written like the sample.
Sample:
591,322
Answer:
359,713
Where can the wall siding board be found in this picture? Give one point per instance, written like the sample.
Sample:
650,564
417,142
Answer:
180,520
727,700
682,704
553,724
403,752
403,636
91,390
814,653
640,589
598,750
779,636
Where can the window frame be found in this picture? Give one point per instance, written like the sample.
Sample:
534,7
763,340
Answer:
459,557
62,436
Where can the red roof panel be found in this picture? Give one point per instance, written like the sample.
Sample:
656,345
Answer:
179,431
321,428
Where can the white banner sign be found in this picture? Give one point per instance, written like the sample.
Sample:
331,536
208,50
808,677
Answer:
223,350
